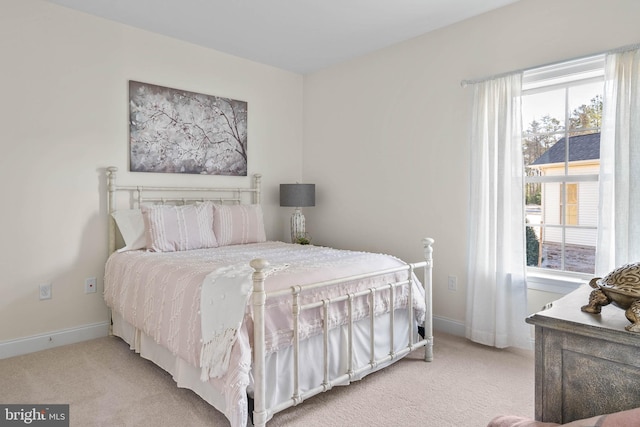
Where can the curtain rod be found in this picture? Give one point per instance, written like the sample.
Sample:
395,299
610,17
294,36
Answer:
465,83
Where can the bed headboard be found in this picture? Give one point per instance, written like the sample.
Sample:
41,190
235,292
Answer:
137,195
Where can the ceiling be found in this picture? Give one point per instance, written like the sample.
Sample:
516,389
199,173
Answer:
301,36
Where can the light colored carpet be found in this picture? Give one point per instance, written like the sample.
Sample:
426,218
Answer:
108,385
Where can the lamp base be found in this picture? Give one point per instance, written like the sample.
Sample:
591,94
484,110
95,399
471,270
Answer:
297,225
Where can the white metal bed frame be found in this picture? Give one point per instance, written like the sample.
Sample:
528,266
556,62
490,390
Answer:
261,414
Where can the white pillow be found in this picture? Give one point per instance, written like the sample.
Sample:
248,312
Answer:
131,226
238,224
179,228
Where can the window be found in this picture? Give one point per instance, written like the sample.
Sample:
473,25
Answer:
561,119
570,211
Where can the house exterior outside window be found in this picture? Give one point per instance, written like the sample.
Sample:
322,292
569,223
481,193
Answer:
569,217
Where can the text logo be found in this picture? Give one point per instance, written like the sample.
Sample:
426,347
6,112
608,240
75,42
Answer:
34,415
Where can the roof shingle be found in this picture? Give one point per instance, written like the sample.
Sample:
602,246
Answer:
581,147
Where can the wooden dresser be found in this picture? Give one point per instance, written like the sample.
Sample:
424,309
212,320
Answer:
586,364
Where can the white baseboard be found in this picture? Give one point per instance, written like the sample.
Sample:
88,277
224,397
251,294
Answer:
53,339
455,327
449,326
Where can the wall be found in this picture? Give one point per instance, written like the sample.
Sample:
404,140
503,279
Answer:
64,114
386,136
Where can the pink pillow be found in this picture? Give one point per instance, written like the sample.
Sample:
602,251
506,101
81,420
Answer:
514,421
178,228
626,418
238,224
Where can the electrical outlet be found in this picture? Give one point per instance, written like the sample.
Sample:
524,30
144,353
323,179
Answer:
45,291
452,283
90,285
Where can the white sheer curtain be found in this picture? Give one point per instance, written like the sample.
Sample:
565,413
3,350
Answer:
619,207
496,290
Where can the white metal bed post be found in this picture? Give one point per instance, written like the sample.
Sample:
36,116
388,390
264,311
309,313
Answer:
259,298
428,285
111,191
111,207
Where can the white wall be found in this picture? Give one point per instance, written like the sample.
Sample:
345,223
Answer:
386,135
64,118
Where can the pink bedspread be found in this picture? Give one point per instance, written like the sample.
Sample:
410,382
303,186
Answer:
159,293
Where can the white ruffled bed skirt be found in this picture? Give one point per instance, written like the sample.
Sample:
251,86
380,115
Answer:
279,367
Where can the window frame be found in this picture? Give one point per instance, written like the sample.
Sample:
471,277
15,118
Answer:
543,79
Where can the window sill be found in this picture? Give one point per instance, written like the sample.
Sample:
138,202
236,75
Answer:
555,283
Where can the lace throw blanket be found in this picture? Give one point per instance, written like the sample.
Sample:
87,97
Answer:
223,301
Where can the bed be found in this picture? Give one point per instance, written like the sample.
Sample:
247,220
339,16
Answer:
253,326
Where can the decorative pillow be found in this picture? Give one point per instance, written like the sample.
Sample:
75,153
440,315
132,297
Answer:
515,421
626,418
238,224
179,228
131,226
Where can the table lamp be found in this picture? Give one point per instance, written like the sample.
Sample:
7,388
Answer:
298,196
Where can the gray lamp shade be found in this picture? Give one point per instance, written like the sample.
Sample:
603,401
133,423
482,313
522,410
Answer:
297,195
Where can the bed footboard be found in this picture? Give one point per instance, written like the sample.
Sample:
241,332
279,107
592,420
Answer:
261,413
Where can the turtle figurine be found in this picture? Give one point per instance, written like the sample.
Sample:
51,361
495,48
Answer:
620,287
